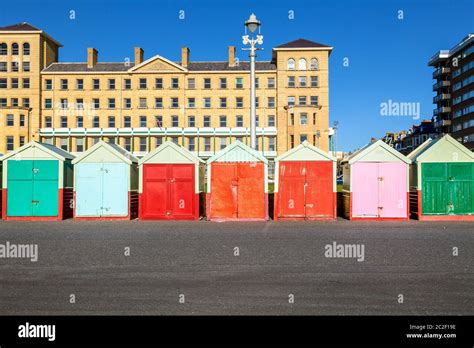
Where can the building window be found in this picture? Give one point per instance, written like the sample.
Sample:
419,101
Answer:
291,81
111,103
80,84
175,140
174,83
142,103
314,100
142,121
127,142
10,120
303,119
96,103
22,120
206,121
207,144
3,67
291,64
64,84
239,121
127,84
271,121
15,49
158,83
3,49
142,83
191,83
127,121
3,102
48,85
158,103
223,102
79,145
111,121
26,49
159,121
26,66
96,84
271,82
223,83
64,104
48,104
26,102
303,138
239,102
174,102
302,81
79,104
158,141
207,102
174,121
14,102
222,121
14,83
302,64
26,83
207,83
3,83
313,65
48,122
127,103
239,82
10,143
111,83
302,100
257,102
191,144
292,119
271,102
191,121
222,143
15,66
191,102
22,140
96,122
63,121
271,144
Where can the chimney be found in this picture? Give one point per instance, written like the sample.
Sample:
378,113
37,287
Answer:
91,57
231,56
185,56
138,55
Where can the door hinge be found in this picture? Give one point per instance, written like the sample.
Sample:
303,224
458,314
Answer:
380,178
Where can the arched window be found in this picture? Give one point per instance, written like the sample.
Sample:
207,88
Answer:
3,49
302,64
26,49
15,49
291,64
314,64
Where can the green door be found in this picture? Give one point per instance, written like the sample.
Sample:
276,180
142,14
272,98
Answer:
32,188
20,188
447,188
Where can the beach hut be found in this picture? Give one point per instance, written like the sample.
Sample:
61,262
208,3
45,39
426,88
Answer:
37,183
442,180
305,184
237,184
105,183
375,184
171,180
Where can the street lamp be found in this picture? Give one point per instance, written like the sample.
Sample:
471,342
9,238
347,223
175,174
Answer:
252,24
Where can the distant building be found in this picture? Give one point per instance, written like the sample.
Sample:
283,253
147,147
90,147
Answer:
407,141
454,87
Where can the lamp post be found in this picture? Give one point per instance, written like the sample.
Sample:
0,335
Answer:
252,24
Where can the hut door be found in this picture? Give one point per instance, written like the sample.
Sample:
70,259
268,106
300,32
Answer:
392,190
88,189
181,190
45,188
319,196
291,189
461,188
365,195
114,189
435,189
224,190
250,194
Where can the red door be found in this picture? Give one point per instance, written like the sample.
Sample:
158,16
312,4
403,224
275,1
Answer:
306,189
168,191
237,191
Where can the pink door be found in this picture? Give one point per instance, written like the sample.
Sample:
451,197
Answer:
364,186
393,190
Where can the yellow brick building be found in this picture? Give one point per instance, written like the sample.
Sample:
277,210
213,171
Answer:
201,105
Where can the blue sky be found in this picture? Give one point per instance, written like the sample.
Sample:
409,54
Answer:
387,56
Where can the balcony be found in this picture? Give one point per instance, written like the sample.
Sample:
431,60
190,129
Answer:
442,123
441,97
441,71
441,84
441,110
